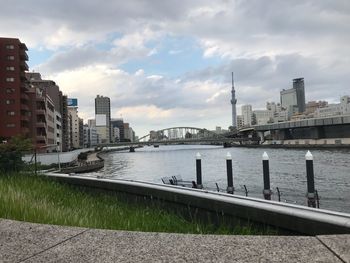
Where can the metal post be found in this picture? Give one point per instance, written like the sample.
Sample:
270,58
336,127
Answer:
35,163
58,158
311,200
230,188
266,175
199,171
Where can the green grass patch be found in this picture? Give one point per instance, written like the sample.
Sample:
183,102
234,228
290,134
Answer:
31,198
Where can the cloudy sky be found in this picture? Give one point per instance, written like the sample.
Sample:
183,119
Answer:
169,63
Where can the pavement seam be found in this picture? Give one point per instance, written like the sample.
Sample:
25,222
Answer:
55,245
331,250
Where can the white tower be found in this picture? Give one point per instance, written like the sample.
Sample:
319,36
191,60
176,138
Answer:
233,103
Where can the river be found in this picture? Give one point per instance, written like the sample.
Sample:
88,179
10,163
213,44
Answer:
287,170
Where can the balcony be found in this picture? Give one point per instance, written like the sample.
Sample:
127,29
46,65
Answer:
24,66
40,98
23,55
25,118
41,124
24,107
40,112
41,138
24,96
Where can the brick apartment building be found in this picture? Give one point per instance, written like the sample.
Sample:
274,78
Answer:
14,92
29,105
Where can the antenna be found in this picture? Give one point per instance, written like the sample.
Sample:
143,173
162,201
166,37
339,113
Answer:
232,80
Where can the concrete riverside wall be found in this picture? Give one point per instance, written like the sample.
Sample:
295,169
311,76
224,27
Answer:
286,216
50,158
319,142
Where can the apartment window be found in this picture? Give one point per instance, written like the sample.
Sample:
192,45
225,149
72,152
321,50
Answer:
10,57
10,101
10,79
10,125
10,47
11,113
10,68
10,90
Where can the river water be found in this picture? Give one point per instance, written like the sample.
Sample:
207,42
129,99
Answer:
287,170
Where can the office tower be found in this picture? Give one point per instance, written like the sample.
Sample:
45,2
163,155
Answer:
103,118
298,85
233,103
15,102
293,100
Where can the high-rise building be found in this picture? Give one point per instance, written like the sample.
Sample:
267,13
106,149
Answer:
14,99
47,92
293,100
233,103
298,85
119,123
103,118
75,130
247,115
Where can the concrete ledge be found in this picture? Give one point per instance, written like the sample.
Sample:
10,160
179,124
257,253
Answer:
28,242
286,216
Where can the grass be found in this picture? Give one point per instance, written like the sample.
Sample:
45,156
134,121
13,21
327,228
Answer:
30,198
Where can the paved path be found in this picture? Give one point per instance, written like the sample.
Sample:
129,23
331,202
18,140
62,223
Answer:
28,242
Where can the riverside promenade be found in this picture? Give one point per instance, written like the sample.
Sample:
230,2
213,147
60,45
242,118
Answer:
29,242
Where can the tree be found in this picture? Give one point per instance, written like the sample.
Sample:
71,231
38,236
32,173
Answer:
11,153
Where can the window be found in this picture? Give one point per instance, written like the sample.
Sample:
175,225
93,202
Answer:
10,47
10,125
10,57
10,90
10,101
10,68
10,79
11,113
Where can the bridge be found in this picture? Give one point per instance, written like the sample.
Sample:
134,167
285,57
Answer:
185,135
336,127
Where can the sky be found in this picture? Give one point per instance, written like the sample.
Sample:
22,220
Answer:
168,63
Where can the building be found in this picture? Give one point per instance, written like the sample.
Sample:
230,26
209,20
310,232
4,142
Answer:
239,122
119,123
90,136
103,118
65,124
81,132
261,117
247,115
74,127
48,92
312,106
293,100
233,103
14,92
342,108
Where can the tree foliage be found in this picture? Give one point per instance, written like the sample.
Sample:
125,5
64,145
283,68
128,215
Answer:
11,153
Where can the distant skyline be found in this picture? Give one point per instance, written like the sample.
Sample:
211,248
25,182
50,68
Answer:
169,63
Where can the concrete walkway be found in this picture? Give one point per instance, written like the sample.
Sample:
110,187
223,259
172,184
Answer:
28,242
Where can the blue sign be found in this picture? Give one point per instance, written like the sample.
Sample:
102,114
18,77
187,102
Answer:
72,102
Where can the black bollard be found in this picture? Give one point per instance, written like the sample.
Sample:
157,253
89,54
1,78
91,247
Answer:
266,174
311,200
230,188
199,171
